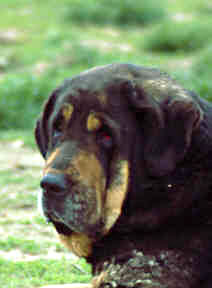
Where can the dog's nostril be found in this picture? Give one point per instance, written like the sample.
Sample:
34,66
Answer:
54,183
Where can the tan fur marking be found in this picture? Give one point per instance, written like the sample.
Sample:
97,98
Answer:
78,243
91,174
50,160
93,122
49,170
68,110
102,98
98,280
116,194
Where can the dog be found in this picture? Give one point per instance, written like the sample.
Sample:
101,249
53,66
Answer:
127,178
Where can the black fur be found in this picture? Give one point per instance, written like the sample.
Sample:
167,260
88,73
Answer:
163,236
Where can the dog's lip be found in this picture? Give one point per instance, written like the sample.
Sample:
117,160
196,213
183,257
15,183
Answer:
64,229
61,228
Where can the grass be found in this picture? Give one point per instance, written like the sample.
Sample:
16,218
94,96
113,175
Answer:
180,36
43,42
115,13
26,246
203,65
25,137
41,272
38,52
28,97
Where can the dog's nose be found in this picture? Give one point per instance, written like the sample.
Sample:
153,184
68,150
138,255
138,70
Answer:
54,184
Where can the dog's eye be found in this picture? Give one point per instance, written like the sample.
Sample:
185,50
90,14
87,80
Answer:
57,130
57,134
55,137
58,125
104,138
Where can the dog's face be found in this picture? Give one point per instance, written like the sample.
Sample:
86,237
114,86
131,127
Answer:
88,134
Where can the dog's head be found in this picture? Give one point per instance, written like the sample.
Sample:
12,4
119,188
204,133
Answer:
96,130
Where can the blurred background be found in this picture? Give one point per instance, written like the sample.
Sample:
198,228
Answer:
41,43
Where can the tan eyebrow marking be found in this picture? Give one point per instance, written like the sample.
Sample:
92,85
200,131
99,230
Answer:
67,111
93,122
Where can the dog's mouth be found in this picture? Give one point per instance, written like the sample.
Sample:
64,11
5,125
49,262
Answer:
65,230
72,213
61,228
79,243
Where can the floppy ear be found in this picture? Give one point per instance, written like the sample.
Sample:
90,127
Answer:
167,122
41,131
168,146
40,139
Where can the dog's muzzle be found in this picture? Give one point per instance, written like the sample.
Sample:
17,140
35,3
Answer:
70,206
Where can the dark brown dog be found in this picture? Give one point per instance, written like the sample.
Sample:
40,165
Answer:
127,169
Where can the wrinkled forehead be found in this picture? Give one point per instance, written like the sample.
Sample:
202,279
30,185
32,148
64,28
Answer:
90,91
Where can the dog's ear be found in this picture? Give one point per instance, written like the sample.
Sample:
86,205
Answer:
39,138
41,131
167,146
167,120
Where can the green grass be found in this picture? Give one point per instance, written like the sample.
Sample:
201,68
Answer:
41,272
25,136
21,96
18,178
26,246
74,37
204,7
45,50
180,36
198,77
113,12
203,64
